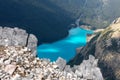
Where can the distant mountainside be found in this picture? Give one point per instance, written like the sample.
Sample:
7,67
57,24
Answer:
40,17
97,13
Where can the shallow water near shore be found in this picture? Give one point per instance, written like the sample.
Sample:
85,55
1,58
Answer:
65,48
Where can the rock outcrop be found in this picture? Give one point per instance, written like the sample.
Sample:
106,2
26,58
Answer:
17,37
88,69
95,32
86,27
105,46
18,63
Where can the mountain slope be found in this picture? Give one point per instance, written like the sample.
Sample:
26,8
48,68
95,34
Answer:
97,13
105,46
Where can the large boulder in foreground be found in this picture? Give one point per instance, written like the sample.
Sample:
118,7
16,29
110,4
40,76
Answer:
105,46
17,37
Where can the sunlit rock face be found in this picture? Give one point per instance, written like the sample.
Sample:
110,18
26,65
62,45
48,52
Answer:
108,50
65,48
105,46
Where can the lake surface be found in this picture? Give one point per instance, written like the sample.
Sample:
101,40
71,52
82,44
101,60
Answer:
65,48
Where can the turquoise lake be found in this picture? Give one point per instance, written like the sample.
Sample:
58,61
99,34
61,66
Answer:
65,48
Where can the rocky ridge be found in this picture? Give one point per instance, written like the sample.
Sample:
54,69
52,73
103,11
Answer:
18,63
105,46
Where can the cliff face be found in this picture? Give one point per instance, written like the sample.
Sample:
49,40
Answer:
108,50
105,46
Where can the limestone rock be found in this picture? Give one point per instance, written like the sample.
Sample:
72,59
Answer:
88,69
24,66
61,63
32,43
10,68
17,37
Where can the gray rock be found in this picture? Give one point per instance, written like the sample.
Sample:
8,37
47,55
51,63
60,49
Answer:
61,63
32,68
88,69
17,37
32,43
68,68
6,36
